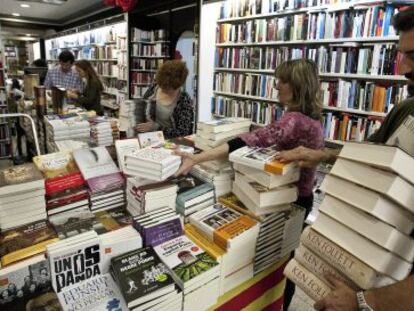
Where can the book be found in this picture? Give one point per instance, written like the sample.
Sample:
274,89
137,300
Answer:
151,139
97,293
313,286
19,178
223,125
123,147
141,276
190,265
403,136
389,158
370,202
26,241
261,159
114,219
352,267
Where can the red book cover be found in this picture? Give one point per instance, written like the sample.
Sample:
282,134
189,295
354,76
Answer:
66,197
61,183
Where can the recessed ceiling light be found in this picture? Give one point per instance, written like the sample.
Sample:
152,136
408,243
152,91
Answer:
28,34
24,5
15,14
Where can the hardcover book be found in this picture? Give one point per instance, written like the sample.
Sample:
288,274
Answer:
223,125
151,139
158,232
20,178
124,147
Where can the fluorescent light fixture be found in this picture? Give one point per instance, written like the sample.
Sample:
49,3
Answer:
15,14
24,5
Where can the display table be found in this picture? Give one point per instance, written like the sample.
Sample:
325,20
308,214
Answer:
262,292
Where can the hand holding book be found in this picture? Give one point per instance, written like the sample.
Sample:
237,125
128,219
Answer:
145,127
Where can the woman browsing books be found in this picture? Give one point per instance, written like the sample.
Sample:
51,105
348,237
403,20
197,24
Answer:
298,91
174,111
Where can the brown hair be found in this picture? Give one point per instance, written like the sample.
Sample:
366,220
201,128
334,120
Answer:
171,75
404,20
90,72
303,78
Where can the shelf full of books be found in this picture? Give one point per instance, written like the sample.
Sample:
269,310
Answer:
352,42
149,50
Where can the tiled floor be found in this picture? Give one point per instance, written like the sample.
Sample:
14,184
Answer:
301,302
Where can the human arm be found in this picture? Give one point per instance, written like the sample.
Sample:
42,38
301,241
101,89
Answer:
308,157
396,297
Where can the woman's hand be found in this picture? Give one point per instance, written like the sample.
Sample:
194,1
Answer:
72,94
145,127
307,157
188,160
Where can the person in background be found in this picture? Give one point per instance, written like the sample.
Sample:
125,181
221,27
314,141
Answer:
174,108
90,98
399,296
298,91
41,63
64,75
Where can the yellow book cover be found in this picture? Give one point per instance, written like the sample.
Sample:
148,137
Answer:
276,167
210,247
232,201
232,229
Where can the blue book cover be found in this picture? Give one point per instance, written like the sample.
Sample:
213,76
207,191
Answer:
193,193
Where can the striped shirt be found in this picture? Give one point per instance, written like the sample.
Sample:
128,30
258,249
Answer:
68,80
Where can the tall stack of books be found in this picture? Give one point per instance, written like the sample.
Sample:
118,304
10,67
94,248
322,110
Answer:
236,234
127,118
66,127
154,164
22,196
362,232
68,145
220,178
195,271
145,281
193,195
216,132
144,195
159,226
104,180
104,131
65,186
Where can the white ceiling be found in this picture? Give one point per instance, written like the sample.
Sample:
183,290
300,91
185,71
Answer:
47,12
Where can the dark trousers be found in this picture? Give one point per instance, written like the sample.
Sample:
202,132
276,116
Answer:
307,203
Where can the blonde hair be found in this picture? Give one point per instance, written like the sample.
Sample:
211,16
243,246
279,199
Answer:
303,78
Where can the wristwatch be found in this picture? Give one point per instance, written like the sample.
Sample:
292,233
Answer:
362,303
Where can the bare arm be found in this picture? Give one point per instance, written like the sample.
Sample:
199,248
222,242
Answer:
308,157
189,160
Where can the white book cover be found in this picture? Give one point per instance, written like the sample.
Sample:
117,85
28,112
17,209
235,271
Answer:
94,294
222,135
223,125
94,162
154,157
151,139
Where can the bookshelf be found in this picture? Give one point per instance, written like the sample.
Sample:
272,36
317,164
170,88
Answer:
5,137
105,44
352,42
149,49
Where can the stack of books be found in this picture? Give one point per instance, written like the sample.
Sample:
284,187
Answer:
194,270
236,234
22,196
159,226
154,164
219,178
127,119
194,195
279,232
145,281
124,147
68,145
26,241
144,195
104,180
216,132
66,127
362,233
104,131
65,186
261,183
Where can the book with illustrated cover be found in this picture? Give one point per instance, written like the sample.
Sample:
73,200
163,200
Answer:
98,293
114,219
123,147
66,196
157,232
25,241
56,164
152,158
151,139
141,276
20,178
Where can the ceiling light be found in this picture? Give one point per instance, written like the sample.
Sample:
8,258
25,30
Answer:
15,14
25,5
28,34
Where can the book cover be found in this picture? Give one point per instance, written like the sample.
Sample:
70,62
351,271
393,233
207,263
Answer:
124,147
150,157
151,139
114,219
141,276
56,164
159,233
17,178
98,293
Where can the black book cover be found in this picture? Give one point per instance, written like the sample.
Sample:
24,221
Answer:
140,273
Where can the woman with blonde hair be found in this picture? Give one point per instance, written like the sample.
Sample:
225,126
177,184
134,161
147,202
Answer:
297,83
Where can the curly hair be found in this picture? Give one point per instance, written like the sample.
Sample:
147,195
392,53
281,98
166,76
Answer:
171,75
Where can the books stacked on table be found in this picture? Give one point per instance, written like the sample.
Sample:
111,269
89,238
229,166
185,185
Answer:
26,241
362,233
65,186
22,196
279,232
64,127
159,226
114,219
104,131
261,183
104,180
94,294
68,145
123,147
127,119
144,195
154,164
233,232
145,281
195,271
216,132
219,178
194,195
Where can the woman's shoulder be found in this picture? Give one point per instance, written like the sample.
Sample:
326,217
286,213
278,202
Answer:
185,99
